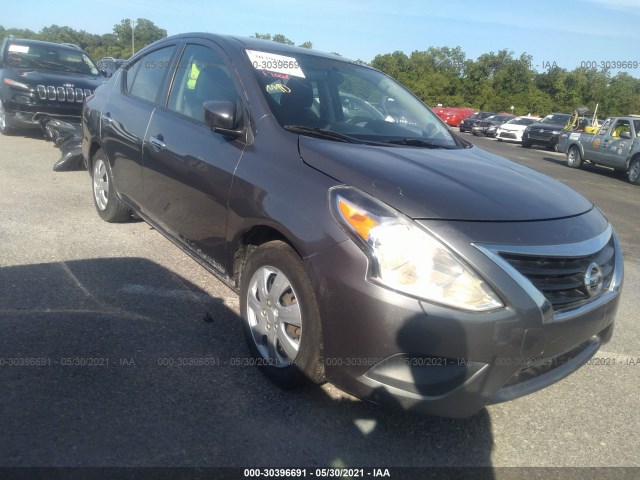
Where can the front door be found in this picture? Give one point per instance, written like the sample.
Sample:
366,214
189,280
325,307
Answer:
188,168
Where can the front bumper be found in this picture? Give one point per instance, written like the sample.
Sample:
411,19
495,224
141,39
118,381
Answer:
509,136
545,138
30,116
392,349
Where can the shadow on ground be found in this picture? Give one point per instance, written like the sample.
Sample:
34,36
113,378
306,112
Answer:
120,362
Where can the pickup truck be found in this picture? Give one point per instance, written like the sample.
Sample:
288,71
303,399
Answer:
615,145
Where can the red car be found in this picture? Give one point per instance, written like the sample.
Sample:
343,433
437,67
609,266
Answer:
454,115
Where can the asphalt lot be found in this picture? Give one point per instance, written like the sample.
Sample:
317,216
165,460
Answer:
95,313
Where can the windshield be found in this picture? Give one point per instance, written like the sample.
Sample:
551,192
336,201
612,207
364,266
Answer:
329,97
556,119
50,57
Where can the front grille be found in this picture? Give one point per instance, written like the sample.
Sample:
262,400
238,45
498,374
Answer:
62,94
565,281
507,135
537,135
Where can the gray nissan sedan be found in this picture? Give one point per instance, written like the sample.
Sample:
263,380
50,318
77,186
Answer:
371,247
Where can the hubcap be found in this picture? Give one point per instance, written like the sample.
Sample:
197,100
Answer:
100,184
274,317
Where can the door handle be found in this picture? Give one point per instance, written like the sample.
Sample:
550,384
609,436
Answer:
157,142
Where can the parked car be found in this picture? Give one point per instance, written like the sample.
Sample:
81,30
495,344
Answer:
467,123
546,132
615,145
41,80
380,256
489,126
452,116
511,130
109,65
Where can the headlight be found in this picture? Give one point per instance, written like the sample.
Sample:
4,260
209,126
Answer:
556,132
15,84
407,259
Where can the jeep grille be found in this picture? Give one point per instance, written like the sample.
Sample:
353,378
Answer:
62,94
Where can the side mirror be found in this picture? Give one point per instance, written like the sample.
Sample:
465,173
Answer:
626,135
221,116
104,73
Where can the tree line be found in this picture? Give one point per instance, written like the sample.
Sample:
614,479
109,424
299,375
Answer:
497,81
438,75
117,44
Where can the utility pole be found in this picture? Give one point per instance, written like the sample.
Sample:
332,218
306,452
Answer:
133,48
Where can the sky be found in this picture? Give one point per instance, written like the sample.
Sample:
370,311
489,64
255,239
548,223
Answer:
563,33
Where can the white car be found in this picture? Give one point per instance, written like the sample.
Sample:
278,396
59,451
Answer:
511,131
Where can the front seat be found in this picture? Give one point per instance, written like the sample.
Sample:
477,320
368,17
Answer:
295,106
213,83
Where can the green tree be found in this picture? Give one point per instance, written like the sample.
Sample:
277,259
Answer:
128,42
278,37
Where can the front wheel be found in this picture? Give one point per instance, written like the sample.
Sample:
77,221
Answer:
526,143
281,320
634,171
5,122
574,159
110,208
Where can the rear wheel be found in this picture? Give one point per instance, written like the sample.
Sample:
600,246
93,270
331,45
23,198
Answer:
574,159
109,206
281,317
634,171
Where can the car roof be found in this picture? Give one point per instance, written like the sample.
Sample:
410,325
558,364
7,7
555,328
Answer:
29,41
251,43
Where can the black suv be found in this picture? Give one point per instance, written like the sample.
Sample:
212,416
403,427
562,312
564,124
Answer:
42,79
545,132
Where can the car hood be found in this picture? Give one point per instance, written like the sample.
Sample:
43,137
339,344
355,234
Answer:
546,126
60,78
512,128
462,184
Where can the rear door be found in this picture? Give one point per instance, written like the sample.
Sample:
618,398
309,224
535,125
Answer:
125,118
188,168
617,146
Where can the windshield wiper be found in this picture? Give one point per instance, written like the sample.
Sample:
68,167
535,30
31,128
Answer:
418,142
321,133
63,67
24,57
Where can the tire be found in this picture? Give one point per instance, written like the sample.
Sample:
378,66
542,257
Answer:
272,341
634,171
461,130
109,206
5,122
574,159
526,143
